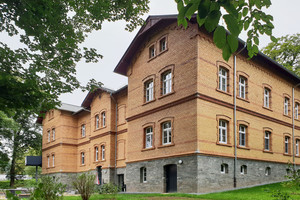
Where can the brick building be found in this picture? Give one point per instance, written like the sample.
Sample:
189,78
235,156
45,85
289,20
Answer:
172,128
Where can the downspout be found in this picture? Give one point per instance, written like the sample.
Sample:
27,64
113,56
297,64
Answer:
293,135
234,116
116,136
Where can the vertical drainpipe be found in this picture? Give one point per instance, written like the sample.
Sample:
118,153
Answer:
234,116
116,136
293,120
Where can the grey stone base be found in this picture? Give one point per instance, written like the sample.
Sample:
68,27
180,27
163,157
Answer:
202,174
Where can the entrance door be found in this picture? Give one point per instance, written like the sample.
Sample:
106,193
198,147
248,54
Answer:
121,182
171,178
99,170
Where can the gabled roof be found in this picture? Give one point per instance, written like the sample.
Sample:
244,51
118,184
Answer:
69,107
90,96
160,21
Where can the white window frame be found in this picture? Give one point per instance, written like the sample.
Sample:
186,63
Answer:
296,110
167,133
103,119
102,152
82,158
224,168
48,159
242,135
96,153
223,125
144,174
53,160
49,135
152,51
223,76
53,134
167,82
268,171
242,87
83,130
149,85
149,137
267,92
267,140
297,147
97,121
163,44
286,106
243,169
286,144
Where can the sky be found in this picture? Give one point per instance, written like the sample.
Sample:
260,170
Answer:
113,40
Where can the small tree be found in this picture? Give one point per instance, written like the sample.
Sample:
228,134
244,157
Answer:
294,176
84,183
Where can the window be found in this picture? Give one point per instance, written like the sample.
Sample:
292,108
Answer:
223,131
297,147
143,175
242,134
149,137
103,119
49,136
53,134
102,152
48,161
224,168
242,87
82,158
97,121
268,171
83,130
162,44
243,169
149,90
167,82
223,74
267,140
286,106
96,153
53,160
296,110
286,145
151,51
267,94
166,133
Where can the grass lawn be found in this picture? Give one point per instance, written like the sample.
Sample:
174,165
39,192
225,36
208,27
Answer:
18,183
254,193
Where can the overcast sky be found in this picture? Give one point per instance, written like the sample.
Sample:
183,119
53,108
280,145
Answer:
112,42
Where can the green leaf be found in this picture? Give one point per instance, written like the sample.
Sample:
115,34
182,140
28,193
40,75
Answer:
274,39
179,5
214,6
231,9
203,8
246,24
256,40
212,20
232,24
191,10
226,53
220,37
245,11
200,21
232,42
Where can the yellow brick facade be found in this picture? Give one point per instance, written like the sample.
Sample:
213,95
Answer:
194,108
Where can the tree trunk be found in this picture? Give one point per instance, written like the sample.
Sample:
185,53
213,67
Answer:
12,171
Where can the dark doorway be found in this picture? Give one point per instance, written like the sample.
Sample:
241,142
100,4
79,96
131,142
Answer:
121,182
99,171
171,178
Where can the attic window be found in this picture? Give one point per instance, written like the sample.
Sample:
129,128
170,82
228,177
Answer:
151,51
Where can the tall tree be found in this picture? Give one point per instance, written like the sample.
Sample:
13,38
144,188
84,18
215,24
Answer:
33,75
21,139
237,15
286,51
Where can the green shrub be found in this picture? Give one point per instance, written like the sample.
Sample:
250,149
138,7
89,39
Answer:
85,185
279,195
109,188
48,189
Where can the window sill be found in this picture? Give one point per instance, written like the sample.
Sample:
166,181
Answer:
166,145
82,165
287,154
147,102
100,128
99,161
268,151
246,100
224,144
227,93
242,147
148,149
165,95
297,119
151,58
267,108
288,116
160,53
